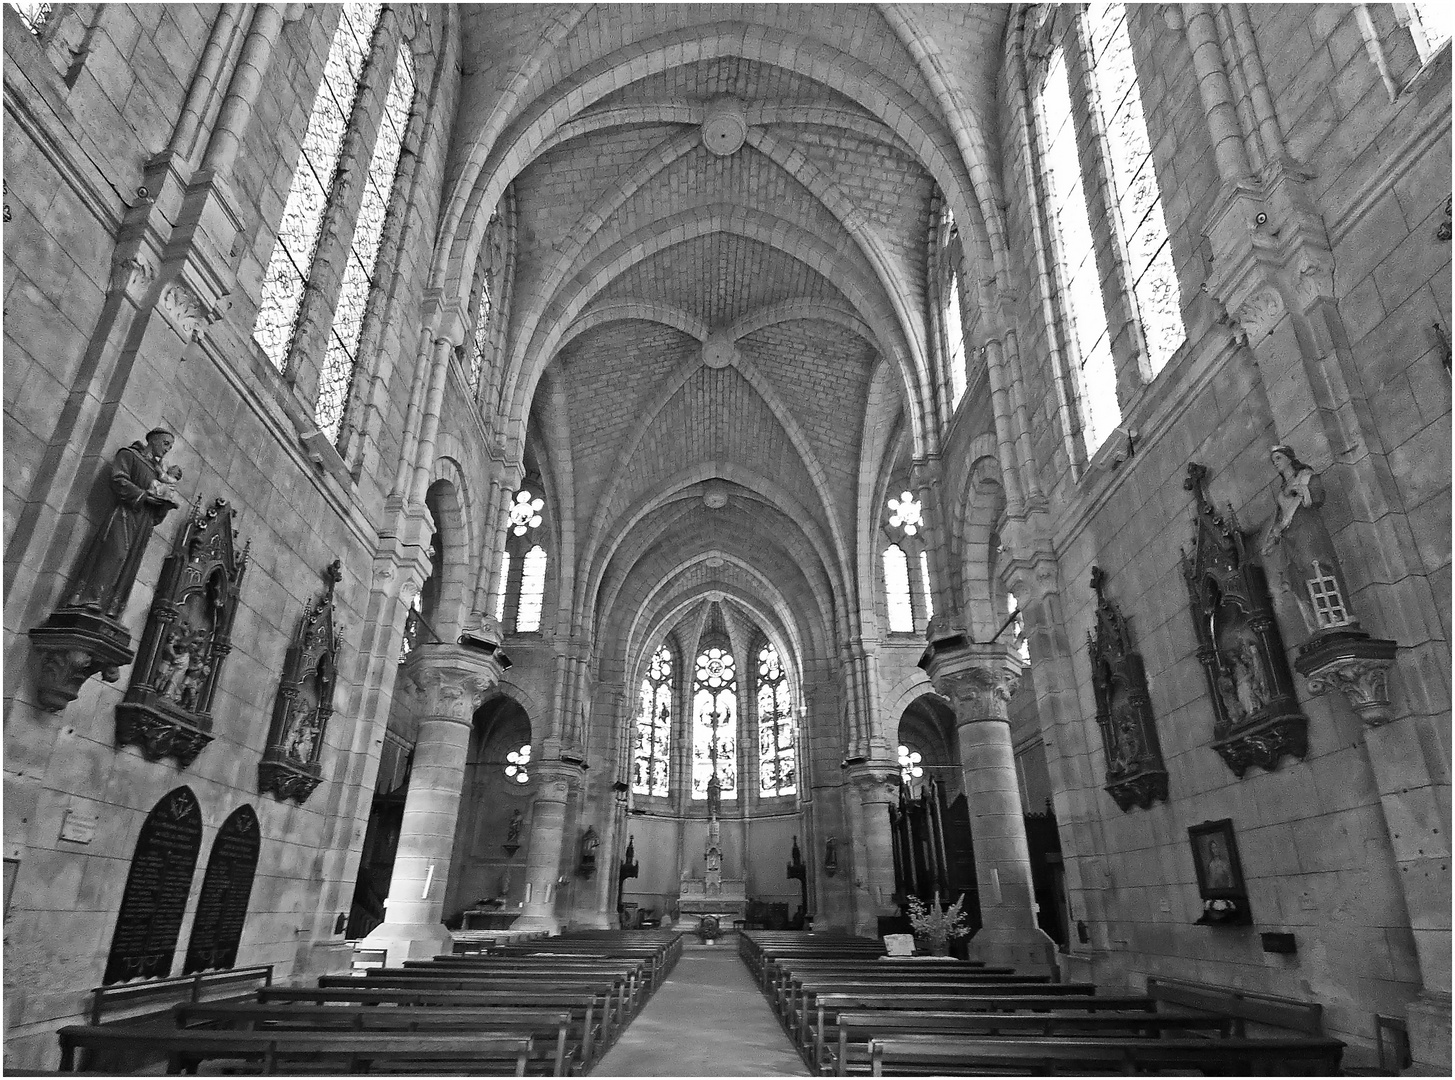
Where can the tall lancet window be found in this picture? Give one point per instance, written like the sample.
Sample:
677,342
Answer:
777,764
654,725
342,356
313,182
532,590
896,590
1085,312
955,340
714,723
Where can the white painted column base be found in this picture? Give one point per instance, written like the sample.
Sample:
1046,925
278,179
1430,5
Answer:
409,941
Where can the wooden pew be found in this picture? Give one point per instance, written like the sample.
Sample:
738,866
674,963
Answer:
635,971
186,1049
829,1006
938,1054
855,1029
615,988
798,1000
589,1011
1245,1006
551,1029
777,973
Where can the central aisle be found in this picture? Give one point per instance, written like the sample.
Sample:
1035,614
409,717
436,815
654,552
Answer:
707,1019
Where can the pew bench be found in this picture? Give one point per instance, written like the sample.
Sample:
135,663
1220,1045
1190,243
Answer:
282,1051
1245,1006
845,1047
590,1011
910,1055
558,1041
155,997
613,990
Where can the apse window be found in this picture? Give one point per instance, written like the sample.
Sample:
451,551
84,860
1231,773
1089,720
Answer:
896,590
777,765
654,725
532,590
714,724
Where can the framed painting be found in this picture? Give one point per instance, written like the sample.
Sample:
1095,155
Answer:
1220,882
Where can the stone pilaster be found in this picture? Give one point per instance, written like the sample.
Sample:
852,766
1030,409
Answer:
452,681
979,680
554,780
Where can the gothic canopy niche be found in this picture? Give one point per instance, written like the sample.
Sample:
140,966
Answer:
1135,773
1256,718
290,768
167,708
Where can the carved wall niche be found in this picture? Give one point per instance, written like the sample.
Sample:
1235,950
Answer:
1135,773
167,711
1256,718
290,768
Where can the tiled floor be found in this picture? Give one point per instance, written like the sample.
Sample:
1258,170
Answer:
707,1019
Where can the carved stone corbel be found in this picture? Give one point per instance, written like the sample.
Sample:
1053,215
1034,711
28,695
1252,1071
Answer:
1357,666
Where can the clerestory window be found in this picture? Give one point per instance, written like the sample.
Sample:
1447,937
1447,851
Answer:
777,764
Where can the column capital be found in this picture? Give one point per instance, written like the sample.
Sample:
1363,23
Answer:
877,781
555,778
979,679
451,680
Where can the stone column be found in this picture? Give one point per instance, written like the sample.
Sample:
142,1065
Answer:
547,841
452,682
979,680
876,786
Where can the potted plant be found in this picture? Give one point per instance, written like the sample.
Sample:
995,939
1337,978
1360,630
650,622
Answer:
935,926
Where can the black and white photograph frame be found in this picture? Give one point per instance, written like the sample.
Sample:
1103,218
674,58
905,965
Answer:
1220,882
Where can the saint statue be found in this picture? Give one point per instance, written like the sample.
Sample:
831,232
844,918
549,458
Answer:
115,555
175,659
512,831
1298,553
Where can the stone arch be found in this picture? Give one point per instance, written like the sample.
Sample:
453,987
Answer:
981,508
447,594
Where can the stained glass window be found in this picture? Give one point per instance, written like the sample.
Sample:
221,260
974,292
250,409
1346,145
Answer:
500,592
906,513
1436,23
348,315
1018,627
1139,200
35,16
482,332
896,590
714,723
777,764
924,576
532,590
955,341
313,182
654,726
1085,312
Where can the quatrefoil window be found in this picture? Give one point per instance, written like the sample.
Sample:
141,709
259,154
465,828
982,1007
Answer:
906,513
525,512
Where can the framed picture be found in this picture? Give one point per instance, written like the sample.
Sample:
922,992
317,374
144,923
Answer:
1220,881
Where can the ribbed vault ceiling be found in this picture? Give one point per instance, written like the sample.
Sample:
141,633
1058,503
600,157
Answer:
800,255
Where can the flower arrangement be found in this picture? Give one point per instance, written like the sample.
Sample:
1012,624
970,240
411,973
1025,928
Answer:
935,925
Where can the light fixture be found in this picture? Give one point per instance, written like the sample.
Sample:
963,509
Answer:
519,759
525,512
909,766
906,513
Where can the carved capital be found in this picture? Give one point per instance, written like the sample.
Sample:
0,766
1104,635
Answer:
134,274
1260,313
876,781
184,310
979,679
555,778
1357,667
451,680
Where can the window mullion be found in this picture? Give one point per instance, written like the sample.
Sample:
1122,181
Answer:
1128,349
314,326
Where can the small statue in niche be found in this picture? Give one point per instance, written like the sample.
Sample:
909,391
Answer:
1250,687
512,831
1298,552
197,671
1129,749
176,658
589,843
1228,691
110,567
831,856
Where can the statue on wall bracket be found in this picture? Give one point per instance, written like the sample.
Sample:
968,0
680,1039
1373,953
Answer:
1135,773
290,768
1302,565
85,635
167,711
1256,718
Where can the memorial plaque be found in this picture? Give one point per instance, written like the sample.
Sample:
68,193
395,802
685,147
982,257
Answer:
156,890
222,907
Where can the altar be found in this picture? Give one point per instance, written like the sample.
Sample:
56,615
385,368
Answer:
726,898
